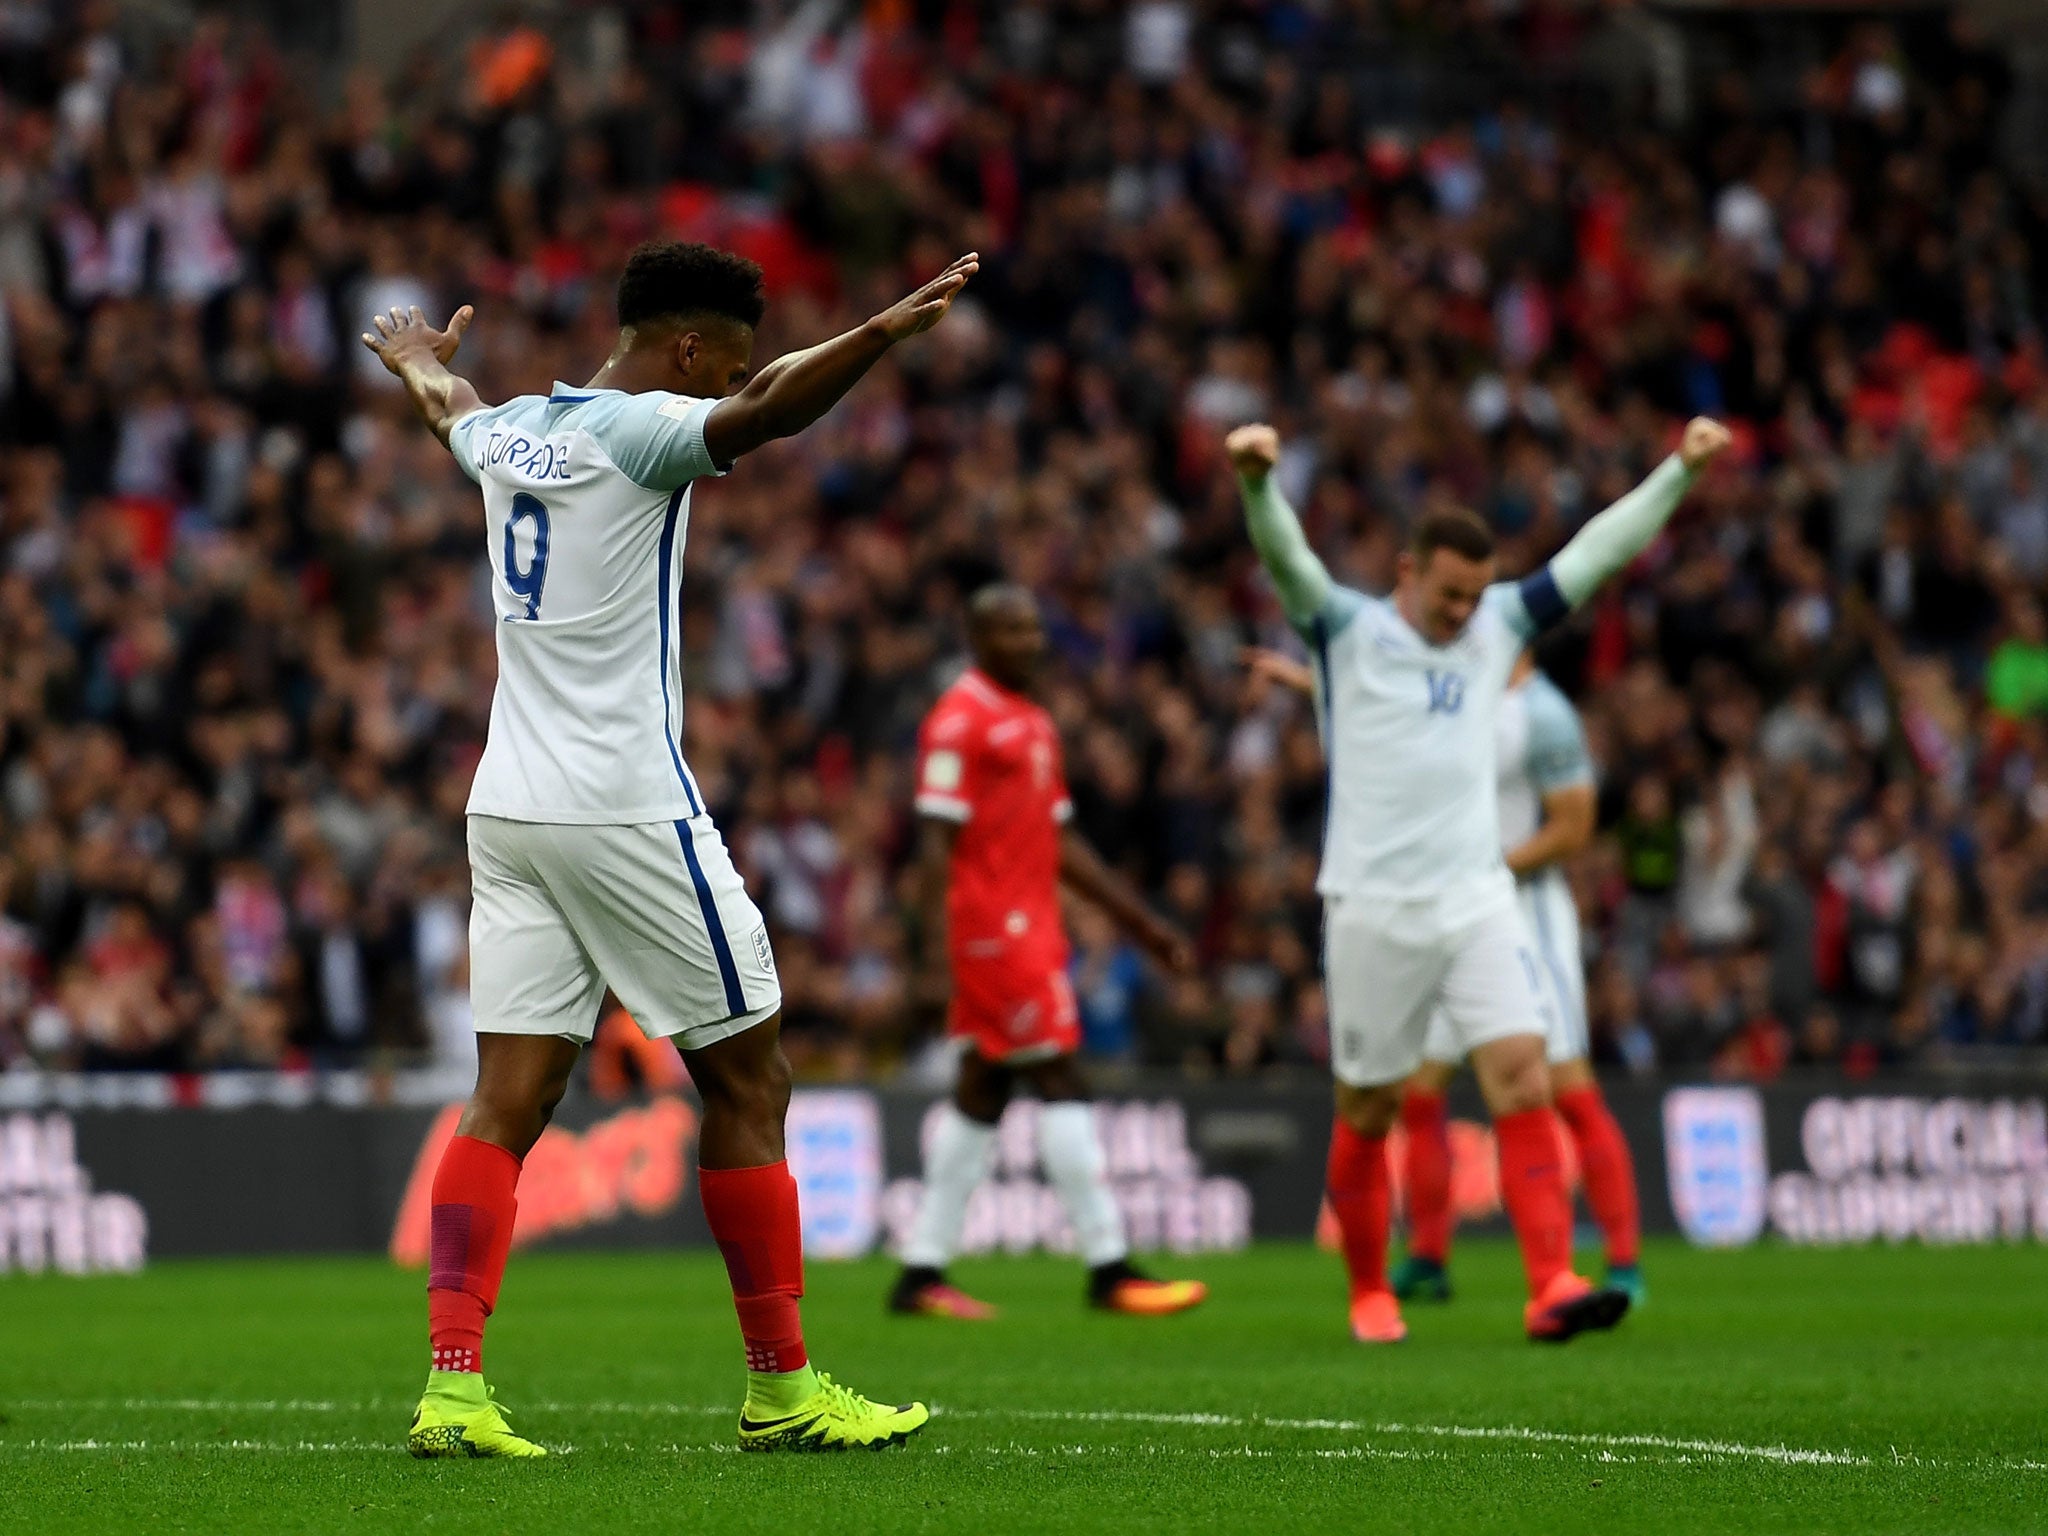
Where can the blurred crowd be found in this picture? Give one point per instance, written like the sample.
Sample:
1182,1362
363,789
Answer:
1486,253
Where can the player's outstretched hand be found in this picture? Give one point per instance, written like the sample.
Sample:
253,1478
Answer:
1271,667
404,336
1704,439
1169,946
1253,450
927,307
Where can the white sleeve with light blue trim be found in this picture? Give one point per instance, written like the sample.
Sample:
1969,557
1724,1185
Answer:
1342,606
1604,546
1314,604
1557,743
656,439
462,437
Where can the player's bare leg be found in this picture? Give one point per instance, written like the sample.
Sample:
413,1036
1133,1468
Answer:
750,1204
1422,1274
520,1079
1514,1078
962,1149
743,1083
1607,1169
1071,1154
1362,1201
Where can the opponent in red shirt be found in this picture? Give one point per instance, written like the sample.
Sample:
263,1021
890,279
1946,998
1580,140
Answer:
995,848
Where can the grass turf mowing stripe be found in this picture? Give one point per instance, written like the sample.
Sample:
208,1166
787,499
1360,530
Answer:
1937,1352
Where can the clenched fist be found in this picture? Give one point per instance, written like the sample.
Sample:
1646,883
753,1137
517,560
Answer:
1253,450
1704,439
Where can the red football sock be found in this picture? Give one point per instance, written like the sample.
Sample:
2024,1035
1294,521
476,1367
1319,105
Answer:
1362,1203
1533,1189
470,1231
753,1216
1426,1119
1607,1168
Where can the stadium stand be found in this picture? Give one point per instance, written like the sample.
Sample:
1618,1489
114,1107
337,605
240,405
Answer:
244,666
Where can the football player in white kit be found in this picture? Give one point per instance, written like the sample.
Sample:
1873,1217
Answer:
593,861
1419,908
1547,813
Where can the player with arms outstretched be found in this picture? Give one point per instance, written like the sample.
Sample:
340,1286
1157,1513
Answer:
1419,907
593,861
995,848
1547,811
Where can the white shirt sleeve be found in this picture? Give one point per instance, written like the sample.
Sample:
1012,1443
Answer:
656,439
1503,622
462,440
1613,538
1557,743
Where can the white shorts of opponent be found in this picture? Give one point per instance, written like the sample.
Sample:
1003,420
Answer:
1393,965
653,910
1551,917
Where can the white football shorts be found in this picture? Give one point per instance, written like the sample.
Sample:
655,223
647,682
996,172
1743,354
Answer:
1389,974
654,910
1552,919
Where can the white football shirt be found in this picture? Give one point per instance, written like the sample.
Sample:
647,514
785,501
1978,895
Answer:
1409,739
586,508
1541,748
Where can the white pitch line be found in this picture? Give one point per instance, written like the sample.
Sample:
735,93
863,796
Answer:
1783,1454
1605,1443
199,1445
1776,1453
1106,1453
190,1405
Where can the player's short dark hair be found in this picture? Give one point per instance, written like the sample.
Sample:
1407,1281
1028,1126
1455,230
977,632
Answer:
671,278
1452,528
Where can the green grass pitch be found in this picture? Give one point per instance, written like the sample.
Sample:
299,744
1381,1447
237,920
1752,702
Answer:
1766,1390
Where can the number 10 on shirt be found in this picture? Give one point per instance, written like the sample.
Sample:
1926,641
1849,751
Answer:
526,581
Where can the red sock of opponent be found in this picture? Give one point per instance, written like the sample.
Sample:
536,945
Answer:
1362,1203
1425,1117
753,1215
1608,1170
1533,1189
470,1232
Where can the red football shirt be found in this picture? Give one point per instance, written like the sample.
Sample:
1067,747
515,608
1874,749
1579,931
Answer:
989,760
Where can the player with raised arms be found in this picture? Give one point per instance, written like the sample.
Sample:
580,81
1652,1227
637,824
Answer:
994,850
1548,800
593,861
1547,811
1419,906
